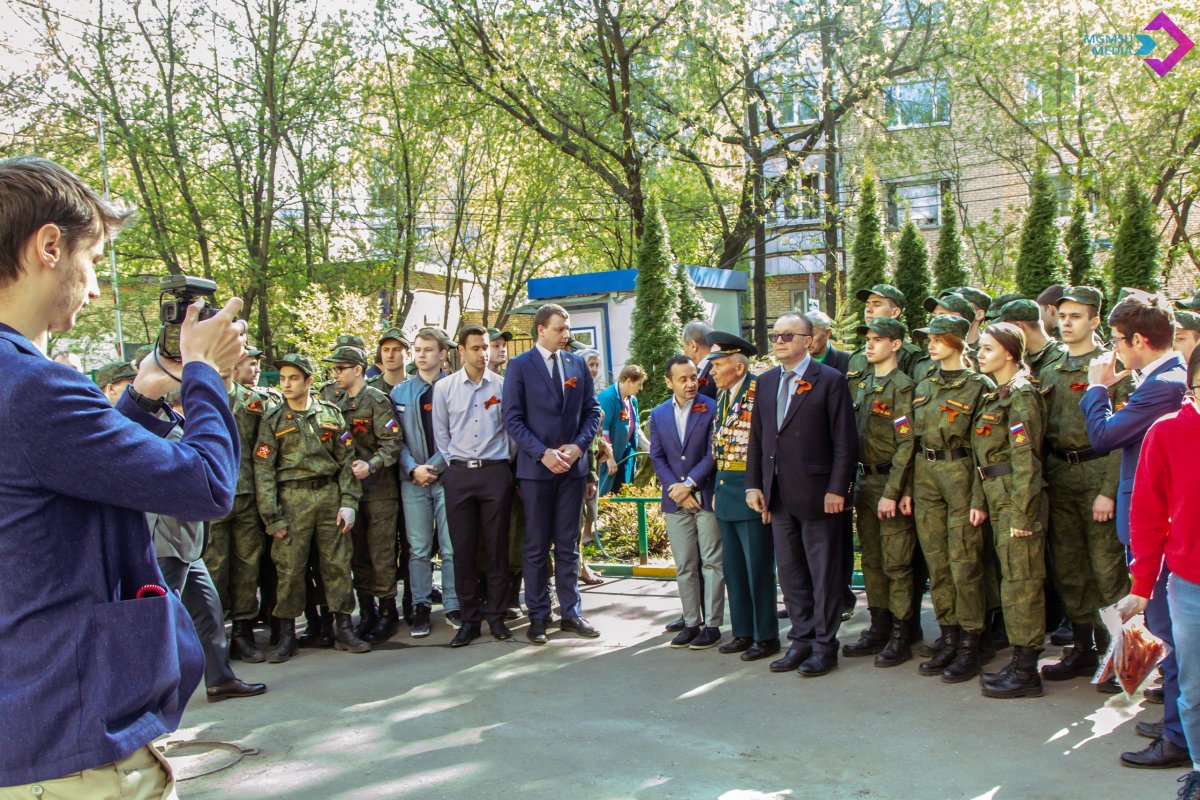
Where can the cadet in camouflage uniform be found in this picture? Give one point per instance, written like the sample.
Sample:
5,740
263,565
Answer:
240,534
946,488
1007,442
981,303
1187,333
883,495
329,391
1086,559
882,300
307,496
1041,350
949,302
372,422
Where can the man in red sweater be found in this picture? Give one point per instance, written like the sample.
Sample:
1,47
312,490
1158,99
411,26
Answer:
1165,527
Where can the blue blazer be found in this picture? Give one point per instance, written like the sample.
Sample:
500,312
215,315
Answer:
706,386
814,451
674,462
1160,393
618,434
536,421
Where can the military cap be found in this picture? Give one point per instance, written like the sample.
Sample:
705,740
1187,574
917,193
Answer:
348,355
976,296
496,333
350,340
726,344
1051,294
953,302
944,324
411,369
884,326
141,353
1189,303
115,371
1000,302
1187,320
1019,311
253,351
296,360
395,334
1140,294
577,345
883,290
1086,295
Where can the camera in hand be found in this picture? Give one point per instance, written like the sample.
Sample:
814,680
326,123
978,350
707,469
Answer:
177,293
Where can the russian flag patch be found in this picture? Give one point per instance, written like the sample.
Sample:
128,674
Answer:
902,426
1019,435
346,438
391,425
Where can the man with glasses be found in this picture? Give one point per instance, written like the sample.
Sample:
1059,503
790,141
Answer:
801,459
1142,330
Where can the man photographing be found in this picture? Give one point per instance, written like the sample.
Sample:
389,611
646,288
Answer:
92,647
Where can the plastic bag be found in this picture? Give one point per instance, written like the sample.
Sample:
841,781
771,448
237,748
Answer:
1132,652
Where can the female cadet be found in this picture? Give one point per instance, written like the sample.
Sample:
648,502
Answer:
1007,442
946,495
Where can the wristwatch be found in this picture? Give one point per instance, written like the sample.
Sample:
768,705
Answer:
688,482
145,403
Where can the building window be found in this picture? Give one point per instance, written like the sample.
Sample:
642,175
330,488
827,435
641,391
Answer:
920,202
1047,95
800,300
796,96
905,14
917,104
800,202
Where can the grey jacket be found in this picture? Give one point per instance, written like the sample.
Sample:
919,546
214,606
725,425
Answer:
174,538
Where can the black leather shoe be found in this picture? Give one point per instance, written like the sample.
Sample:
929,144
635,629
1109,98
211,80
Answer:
1161,754
499,630
764,649
676,626
537,631
1155,695
580,626
817,665
1191,786
512,613
466,634
1063,635
1151,730
793,658
708,637
235,688
685,637
738,644
1109,686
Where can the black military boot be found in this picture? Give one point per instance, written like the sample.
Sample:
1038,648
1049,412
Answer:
997,634
387,624
274,627
242,645
326,638
1081,661
1018,679
368,614
898,650
966,660
344,637
944,649
312,628
288,646
873,639
1063,634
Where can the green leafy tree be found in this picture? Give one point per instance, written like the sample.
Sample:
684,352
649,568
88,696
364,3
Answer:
691,304
947,265
656,326
1135,249
912,274
869,256
1039,263
1078,239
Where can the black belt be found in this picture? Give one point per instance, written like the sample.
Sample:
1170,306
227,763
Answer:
996,470
875,469
953,454
1077,456
476,463
312,484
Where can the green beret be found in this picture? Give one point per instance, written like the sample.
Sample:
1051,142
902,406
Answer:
114,372
1020,311
883,290
884,326
944,324
952,302
296,360
1087,295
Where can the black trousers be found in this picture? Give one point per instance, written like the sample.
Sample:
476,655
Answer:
808,557
195,588
478,503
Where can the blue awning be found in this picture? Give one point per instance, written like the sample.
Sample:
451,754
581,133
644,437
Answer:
624,280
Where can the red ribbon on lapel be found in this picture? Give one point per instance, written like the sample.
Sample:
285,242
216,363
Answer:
802,387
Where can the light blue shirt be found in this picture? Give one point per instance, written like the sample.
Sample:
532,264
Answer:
788,380
467,418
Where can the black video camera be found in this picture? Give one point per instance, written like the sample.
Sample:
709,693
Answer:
177,293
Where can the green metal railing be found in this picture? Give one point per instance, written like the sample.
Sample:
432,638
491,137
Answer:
643,533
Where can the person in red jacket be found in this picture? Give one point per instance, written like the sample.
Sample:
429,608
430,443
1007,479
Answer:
1165,528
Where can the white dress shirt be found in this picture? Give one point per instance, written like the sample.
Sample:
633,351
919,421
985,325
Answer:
681,416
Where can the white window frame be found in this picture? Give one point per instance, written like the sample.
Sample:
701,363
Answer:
892,105
899,212
804,197
1035,92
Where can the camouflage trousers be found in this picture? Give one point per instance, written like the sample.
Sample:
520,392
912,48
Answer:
235,547
1022,567
953,547
374,543
1087,561
312,522
888,546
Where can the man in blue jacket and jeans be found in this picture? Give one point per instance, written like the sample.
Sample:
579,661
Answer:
97,658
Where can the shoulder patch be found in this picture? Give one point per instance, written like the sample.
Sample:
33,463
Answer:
1020,436
902,426
263,452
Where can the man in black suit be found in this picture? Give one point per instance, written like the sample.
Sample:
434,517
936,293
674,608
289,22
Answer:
697,348
802,455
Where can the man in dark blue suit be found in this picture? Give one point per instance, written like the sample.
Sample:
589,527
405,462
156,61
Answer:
802,457
1142,333
550,411
697,348
681,452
